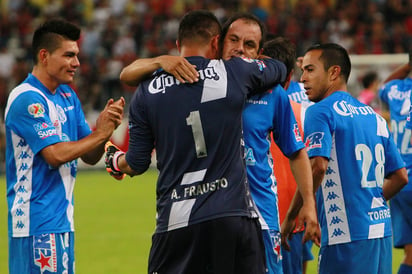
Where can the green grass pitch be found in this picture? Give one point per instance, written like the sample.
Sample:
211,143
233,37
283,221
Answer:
114,223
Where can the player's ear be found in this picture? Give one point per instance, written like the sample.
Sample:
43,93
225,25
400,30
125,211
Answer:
178,46
215,43
334,72
42,56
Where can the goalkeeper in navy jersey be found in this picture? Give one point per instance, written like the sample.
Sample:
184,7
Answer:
206,219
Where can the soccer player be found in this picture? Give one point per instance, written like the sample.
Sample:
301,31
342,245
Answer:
205,215
293,260
355,165
264,115
396,95
46,133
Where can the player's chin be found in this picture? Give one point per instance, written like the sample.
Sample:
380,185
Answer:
67,80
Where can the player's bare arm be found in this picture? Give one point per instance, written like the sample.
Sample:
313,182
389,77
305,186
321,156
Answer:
319,166
140,69
90,148
394,183
302,172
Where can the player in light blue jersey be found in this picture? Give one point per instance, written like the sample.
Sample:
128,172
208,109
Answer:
396,94
46,132
356,168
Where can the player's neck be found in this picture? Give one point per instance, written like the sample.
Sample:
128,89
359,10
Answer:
45,79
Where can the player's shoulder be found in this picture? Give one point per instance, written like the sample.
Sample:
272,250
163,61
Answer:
25,92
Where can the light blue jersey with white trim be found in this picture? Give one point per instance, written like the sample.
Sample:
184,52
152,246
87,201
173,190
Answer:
270,113
361,153
40,197
396,94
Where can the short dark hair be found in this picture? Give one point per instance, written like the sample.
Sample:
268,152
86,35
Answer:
334,54
282,49
369,78
51,33
199,26
244,16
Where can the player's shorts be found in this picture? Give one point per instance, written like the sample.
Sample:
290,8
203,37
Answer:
272,240
358,257
401,214
46,253
220,246
292,261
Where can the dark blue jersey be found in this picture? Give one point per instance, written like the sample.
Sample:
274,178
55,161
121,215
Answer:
197,132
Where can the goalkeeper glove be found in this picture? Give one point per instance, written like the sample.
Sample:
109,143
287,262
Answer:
112,155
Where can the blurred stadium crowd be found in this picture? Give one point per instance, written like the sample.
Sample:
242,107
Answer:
115,32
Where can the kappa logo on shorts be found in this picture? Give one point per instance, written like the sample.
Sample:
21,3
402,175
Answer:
44,247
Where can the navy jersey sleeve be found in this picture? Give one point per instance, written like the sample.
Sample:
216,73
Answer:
141,146
257,75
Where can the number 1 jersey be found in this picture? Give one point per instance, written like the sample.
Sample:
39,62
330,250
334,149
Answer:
197,132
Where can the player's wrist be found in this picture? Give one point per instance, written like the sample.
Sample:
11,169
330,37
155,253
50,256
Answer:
115,162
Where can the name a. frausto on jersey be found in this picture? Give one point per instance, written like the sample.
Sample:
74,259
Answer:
196,190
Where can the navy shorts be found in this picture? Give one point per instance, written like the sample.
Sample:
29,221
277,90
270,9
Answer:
46,253
358,257
401,214
228,245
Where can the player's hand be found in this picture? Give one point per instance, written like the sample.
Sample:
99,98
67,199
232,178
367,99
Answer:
111,157
286,232
180,68
307,218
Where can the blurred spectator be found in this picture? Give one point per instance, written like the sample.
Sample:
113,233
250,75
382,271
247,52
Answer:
368,95
114,28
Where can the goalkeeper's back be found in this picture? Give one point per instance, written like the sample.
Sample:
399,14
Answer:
196,131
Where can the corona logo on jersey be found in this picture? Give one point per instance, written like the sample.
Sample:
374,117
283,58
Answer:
45,252
395,94
314,140
344,109
161,82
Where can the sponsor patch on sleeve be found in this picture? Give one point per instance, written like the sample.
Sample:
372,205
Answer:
314,140
36,110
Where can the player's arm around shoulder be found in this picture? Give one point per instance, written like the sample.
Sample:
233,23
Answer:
259,74
141,69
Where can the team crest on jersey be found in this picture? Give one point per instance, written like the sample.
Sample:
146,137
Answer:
45,255
36,110
61,114
314,140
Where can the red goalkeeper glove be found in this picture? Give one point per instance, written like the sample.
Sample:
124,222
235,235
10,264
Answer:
112,155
